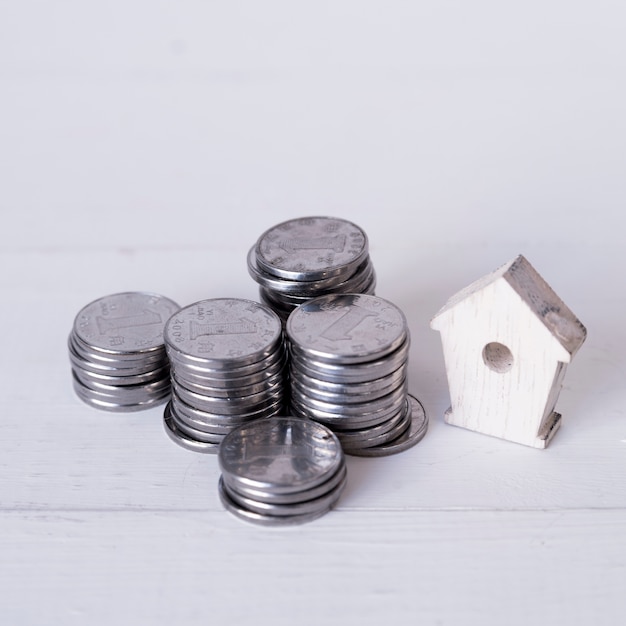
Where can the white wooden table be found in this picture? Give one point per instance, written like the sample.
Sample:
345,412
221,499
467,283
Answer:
147,145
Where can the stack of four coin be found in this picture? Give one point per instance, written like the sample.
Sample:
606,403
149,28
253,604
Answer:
281,471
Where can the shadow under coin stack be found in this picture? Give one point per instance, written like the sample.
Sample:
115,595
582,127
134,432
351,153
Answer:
228,364
349,356
117,354
280,471
308,257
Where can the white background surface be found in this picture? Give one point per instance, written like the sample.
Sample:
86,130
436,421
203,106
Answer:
146,145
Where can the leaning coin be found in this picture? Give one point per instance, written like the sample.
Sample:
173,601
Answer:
194,433
413,435
365,436
177,436
394,432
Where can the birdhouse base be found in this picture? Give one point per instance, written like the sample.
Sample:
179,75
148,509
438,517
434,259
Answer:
542,440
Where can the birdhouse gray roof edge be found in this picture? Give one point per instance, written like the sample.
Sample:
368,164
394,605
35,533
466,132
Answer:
541,299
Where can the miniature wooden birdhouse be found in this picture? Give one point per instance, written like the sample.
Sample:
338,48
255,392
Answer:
507,340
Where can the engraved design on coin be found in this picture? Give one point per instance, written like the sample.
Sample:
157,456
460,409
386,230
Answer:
347,326
311,244
287,453
124,322
223,329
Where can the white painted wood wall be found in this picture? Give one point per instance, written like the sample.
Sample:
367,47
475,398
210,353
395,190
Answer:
146,146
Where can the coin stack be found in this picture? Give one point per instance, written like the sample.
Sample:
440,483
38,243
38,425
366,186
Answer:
228,364
349,356
117,354
308,257
280,471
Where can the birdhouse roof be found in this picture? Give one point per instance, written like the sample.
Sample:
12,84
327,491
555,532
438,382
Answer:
533,290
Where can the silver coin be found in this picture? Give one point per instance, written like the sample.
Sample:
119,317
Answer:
223,333
341,397
180,438
290,498
121,360
238,417
340,421
144,389
194,433
114,368
270,384
124,322
307,507
388,383
153,376
395,398
278,369
226,372
280,455
264,520
347,329
300,292
371,437
123,395
308,288
229,406
282,309
355,373
357,283
413,435
311,248
210,427
90,398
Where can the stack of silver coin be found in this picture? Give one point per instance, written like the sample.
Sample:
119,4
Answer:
228,365
117,354
349,356
279,471
308,257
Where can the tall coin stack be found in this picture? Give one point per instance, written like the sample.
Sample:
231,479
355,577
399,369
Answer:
280,471
307,257
117,354
228,364
348,370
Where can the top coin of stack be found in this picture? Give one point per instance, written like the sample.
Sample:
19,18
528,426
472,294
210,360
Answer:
117,353
308,257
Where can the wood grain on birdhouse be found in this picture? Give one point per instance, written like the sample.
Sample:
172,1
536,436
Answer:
507,339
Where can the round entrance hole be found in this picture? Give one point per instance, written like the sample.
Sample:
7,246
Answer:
497,357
